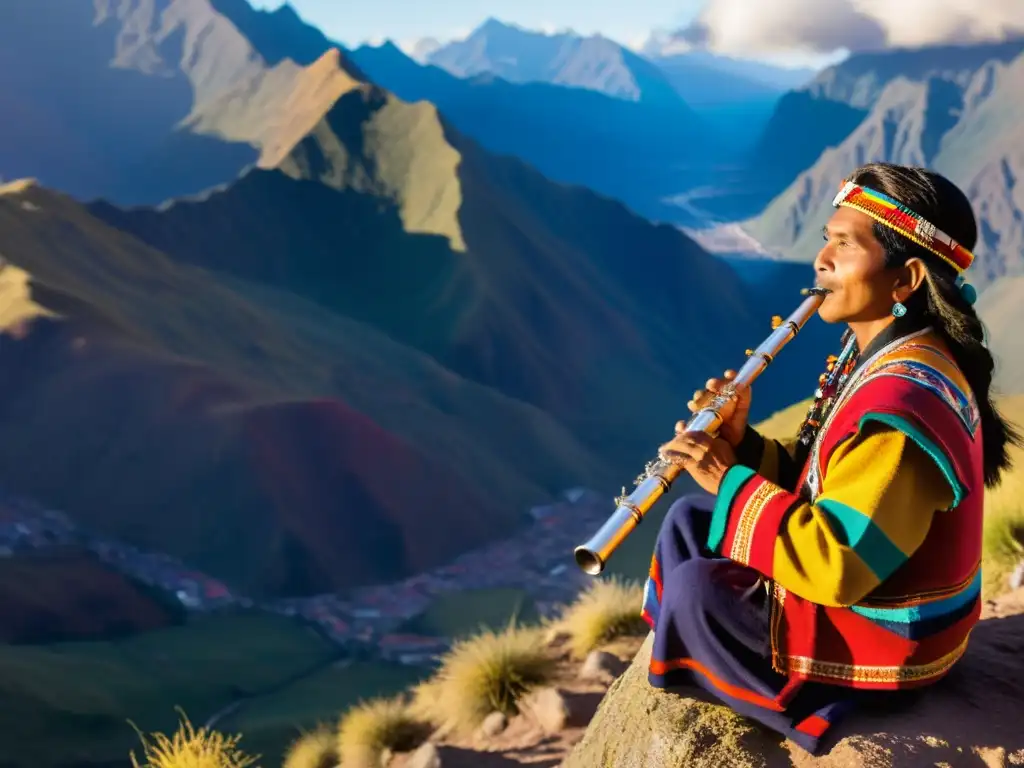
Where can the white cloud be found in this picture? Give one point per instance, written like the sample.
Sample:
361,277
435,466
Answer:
823,26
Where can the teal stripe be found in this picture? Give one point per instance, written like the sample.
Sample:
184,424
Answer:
859,532
926,611
925,443
732,481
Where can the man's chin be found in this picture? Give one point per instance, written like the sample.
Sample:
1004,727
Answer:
828,316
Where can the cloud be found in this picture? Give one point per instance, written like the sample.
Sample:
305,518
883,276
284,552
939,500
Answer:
823,26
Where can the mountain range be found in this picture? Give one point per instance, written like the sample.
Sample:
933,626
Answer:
956,110
371,348
289,259
656,73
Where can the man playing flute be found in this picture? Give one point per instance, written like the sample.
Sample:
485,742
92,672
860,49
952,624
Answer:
832,571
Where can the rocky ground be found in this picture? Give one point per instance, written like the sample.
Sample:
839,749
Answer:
972,719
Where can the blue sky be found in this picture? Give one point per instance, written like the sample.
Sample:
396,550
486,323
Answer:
627,21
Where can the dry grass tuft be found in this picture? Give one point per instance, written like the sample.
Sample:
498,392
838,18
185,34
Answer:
371,727
486,673
191,748
609,609
315,749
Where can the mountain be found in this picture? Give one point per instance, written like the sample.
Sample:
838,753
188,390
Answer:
68,594
826,111
227,424
636,152
706,80
371,350
518,284
521,56
965,127
125,100
664,47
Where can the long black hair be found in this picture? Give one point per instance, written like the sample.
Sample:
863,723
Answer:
941,303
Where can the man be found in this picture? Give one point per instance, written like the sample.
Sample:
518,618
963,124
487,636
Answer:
865,533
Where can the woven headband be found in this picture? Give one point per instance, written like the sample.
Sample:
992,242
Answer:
898,217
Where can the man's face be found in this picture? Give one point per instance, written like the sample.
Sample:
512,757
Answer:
852,265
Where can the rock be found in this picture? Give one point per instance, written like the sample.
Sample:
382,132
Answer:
601,666
971,719
548,707
493,724
426,756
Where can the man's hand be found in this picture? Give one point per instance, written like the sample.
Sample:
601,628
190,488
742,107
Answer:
707,459
734,413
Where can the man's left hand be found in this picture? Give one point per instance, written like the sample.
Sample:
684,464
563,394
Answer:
706,458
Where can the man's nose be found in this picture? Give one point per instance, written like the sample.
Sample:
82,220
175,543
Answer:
823,261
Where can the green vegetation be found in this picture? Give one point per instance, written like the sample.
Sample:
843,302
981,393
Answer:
458,614
72,702
272,722
381,706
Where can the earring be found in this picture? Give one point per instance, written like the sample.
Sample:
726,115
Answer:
898,309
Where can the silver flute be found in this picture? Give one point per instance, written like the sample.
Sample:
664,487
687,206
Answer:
658,475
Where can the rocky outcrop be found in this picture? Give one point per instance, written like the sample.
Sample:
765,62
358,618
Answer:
972,718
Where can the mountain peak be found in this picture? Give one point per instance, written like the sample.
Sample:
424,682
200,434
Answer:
492,24
18,186
520,55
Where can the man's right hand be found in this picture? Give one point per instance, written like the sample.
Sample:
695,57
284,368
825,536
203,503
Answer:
734,413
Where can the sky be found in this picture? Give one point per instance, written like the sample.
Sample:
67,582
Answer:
787,32
405,21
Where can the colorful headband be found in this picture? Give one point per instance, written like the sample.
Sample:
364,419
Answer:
898,217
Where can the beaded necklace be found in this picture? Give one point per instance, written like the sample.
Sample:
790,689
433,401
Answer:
830,384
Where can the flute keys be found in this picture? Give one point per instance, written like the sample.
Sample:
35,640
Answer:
776,321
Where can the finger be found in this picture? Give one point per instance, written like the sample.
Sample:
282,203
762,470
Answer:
698,443
692,444
692,405
714,385
674,457
729,375
681,425
677,449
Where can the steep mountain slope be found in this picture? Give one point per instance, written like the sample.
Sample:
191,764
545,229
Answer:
985,153
118,99
905,126
704,83
533,289
636,152
379,298
68,594
826,111
967,129
241,428
521,56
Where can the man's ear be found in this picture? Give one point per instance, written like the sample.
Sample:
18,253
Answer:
909,278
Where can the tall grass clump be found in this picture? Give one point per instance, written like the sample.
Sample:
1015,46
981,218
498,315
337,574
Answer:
316,749
608,609
486,673
371,727
191,748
